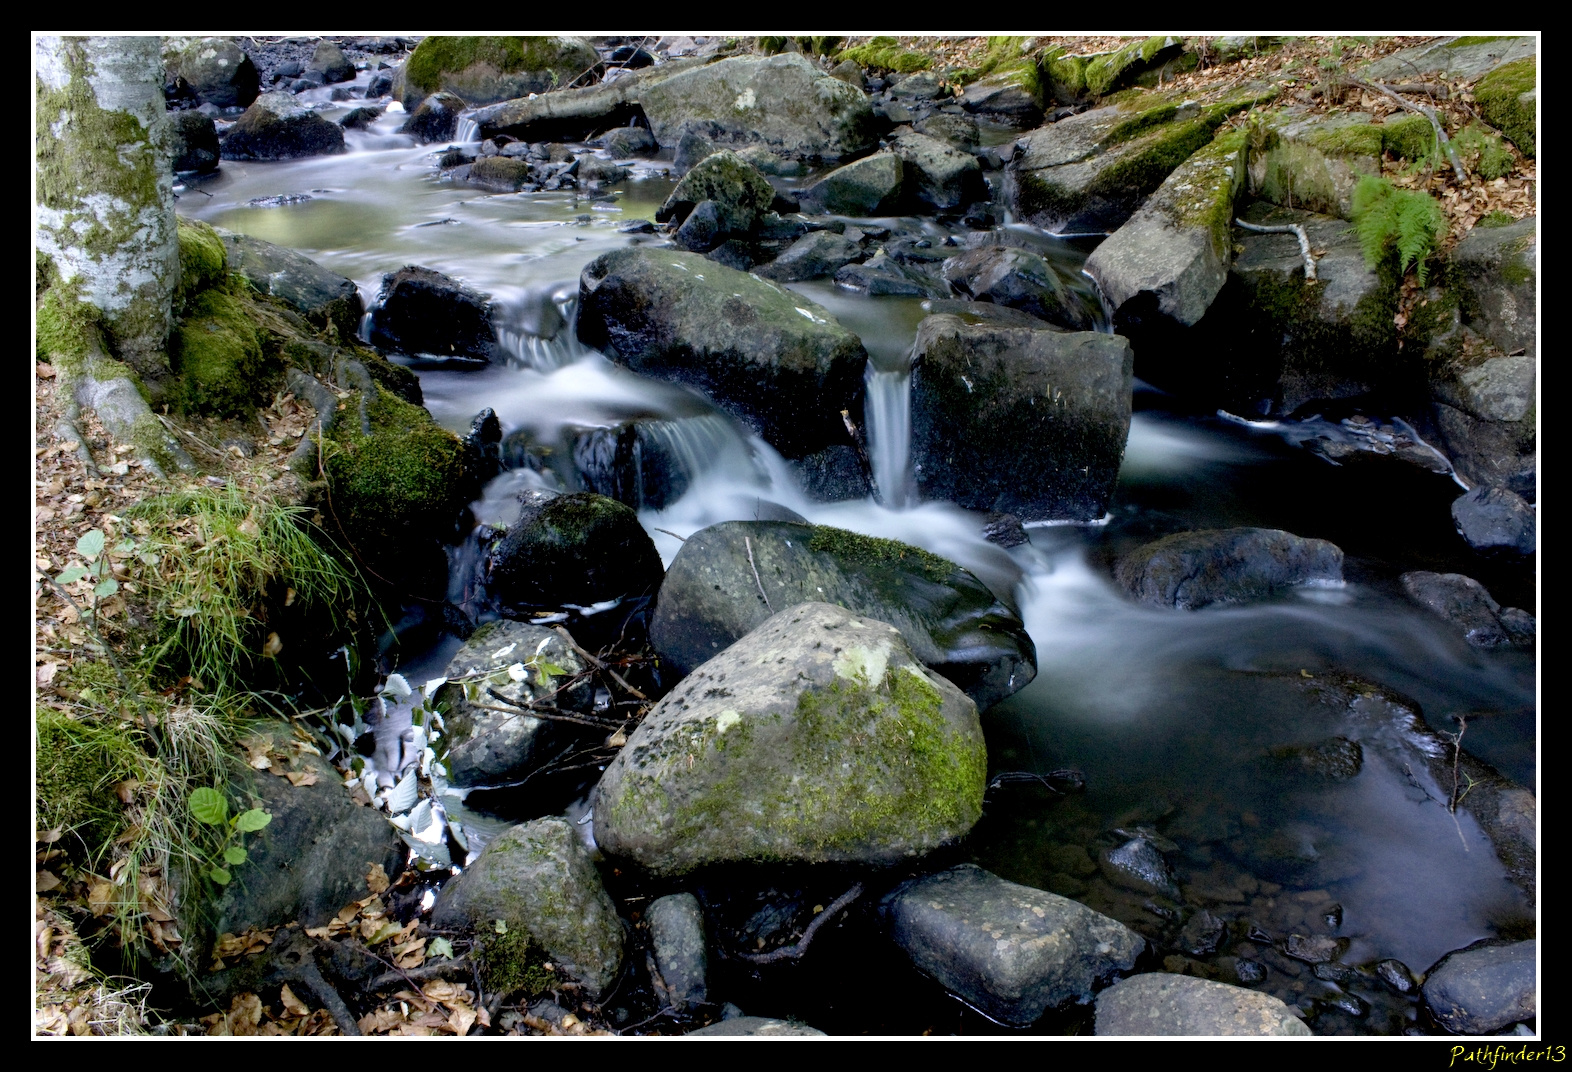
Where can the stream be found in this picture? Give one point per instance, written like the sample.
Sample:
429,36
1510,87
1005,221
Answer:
1173,718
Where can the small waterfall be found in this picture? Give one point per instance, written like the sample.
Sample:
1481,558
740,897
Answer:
364,330
467,130
542,334
1102,319
650,464
889,410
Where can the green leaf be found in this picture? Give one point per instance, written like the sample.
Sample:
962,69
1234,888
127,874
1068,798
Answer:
69,574
125,547
234,855
208,806
255,819
439,947
107,587
220,876
91,545
500,926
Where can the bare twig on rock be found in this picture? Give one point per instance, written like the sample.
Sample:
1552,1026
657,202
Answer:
749,545
597,663
1435,122
1287,228
792,952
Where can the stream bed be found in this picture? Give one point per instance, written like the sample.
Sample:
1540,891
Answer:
1186,726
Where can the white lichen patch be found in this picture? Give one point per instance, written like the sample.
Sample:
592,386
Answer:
726,720
867,663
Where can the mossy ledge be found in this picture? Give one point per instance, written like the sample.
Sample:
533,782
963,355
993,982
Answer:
876,551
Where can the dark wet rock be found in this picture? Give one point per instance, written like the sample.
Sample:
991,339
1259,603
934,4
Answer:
625,142
1162,1004
436,119
677,939
217,72
816,254
331,61
1250,971
834,474
1336,758
771,163
1138,865
773,359
323,297
1340,974
1462,601
710,599
650,463
702,229
1314,948
361,118
522,664
1009,950
871,186
576,549
1345,1003
1005,530
1492,519
738,193
501,173
972,312
420,311
735,253
938,176
1013,96
483,70
381,85
746,758
991,403
1395,974
594,171
308,862
1020,279
276,127
539,878
761,1026
1483,988
785,102
1202,934
850,72
1497,270
957,131
692,147
194,142
883,274
1484,408
1191,570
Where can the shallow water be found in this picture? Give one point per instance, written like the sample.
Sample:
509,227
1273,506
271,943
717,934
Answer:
1170,716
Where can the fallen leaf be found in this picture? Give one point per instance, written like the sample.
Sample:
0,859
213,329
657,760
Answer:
44,881
302,778
45,672
376,879
126,790
462,1020
293,1005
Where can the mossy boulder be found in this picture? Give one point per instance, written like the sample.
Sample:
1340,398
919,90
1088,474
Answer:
1105,73
327,300
711,598
1030,421
278,127
816,254
1507,97
818,737
871,186
580,549
203,261
1314,162
216,70
739,191
1014,92
485,70
217,354
1192,570
784,102
538,878
886,54
773,359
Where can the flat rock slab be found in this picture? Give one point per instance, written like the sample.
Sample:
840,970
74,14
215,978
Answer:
762,1026
1161,1004
1484,988
1457,57
1191,570
816,738
1009,950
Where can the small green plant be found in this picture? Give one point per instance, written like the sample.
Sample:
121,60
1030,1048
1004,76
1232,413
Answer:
1484,149
1408,221
209,807
1496,218
99,567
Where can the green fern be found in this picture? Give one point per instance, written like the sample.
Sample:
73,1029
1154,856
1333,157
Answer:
1409,221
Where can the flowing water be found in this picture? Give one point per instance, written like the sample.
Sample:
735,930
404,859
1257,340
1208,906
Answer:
1172,718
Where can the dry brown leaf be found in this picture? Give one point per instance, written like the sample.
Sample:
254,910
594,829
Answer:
377,879
44,881
348,912
293,1005
318,932
380,1020
299,779
410,954
101,897
45,673
462,1019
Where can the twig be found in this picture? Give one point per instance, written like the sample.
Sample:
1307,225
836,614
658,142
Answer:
1287,228
552,714
597,663
198,440
1428,113
746,542
668,532
792,952
412,975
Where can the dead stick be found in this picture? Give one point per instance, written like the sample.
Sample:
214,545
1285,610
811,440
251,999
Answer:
746,542
1430,114
596,663
1287,228
792,952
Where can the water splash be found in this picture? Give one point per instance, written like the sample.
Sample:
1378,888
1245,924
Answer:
1102,318
467,130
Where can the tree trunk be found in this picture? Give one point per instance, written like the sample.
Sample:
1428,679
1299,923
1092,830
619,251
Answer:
106,210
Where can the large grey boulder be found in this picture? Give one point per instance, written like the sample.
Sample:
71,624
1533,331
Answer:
773,359
710,599
939,176
277,127
1013,95
420,311
523,664
1191,570
785,102
1019,279
871,186
819,737
1175,251
816,254
740,193
1160,1004
1452,57
323,297
1012,951
1492,519
217,70
484,70
1497,271
538,877
1484,988
1019,420
1465,603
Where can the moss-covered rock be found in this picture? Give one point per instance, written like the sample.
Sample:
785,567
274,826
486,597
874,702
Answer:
817,737
328,301
278,127
740,192
1192,570
203,262
79,763
216,353
581,549
484,70
1108,72
538,879
1314,162
1411,137
1506,99
871,186
886,54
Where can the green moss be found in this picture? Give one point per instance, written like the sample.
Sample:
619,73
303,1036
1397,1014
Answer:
79,762
1349,139
885,53
1216,204
1412,137
1066,74
67,330
216,352
513,963
1496,218
438,56
1103,72
203,260
1142,120
875,551
1464,42
1498,96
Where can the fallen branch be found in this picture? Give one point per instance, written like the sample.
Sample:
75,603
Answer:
457,965
746,542
1287,228
792,952
549,713
597,663
1435,122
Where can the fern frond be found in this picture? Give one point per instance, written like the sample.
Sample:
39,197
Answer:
1374,221
1419,227
1386,217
